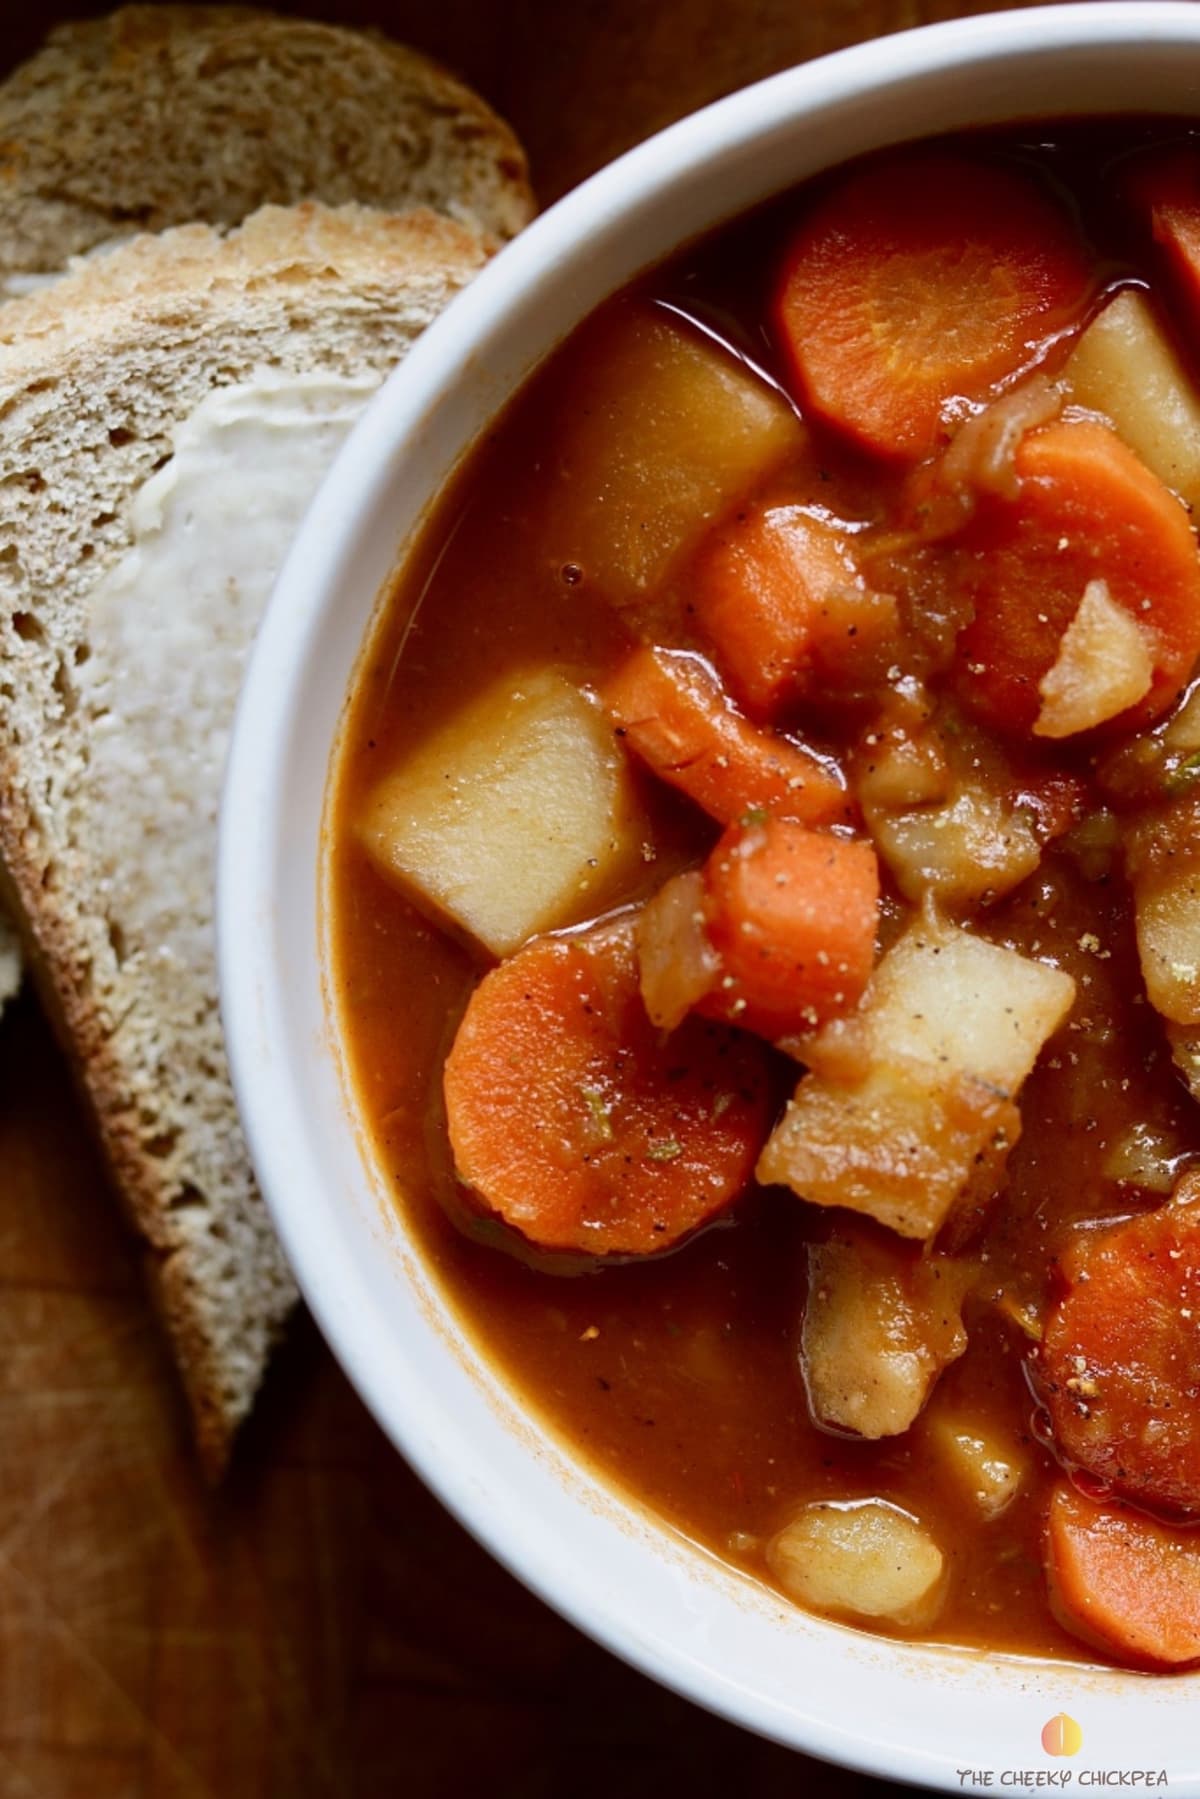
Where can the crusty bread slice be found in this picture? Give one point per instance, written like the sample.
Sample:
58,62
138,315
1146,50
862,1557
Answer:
161,115
158,115
144,400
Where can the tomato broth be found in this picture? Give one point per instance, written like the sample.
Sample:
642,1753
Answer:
680,1376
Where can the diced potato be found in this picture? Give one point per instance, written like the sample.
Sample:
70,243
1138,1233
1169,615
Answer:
973,848
513,816
901,769
964,1006
941,807
1168,934
880,1323
1103,667
921,1109
1162,861
901,1146
862,1559
662,432
1125,367
986,1466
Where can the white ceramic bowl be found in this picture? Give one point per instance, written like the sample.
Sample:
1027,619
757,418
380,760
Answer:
910,1712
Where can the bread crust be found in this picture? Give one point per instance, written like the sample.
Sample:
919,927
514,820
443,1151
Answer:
157,115
96,374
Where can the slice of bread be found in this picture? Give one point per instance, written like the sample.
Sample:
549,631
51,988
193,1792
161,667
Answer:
164,416
158,115
161,115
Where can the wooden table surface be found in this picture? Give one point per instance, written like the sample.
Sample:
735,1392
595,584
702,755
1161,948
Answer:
319,1628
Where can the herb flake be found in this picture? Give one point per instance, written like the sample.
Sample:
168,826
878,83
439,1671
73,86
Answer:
599,1113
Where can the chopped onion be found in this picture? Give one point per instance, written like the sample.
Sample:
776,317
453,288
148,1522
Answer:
677,965
1144,1157
983,454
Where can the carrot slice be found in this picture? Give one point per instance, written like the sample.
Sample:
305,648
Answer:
672,710
918,281
1087,509
578,1122
1166,187
1122,1581
1119,1367
792,914
779,597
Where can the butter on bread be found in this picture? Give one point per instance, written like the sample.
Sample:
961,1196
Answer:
158,115
148,404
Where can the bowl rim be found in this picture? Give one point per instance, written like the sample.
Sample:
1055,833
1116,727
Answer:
270,1101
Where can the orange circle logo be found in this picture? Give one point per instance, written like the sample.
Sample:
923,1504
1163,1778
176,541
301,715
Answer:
1062,1736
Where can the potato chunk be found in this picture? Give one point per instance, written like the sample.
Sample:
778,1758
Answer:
947,998
944,814
1125,367
986,1466
661,433
512,817
1168,933
902,1145
910,1101
975,847
861,1559
1103,667
1163,864
880,1323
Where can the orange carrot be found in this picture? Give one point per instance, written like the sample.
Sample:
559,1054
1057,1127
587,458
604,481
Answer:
1119,1366
778,595
671,709
792,913
1087,509
1122,1581
921,280
578,1122
1166,189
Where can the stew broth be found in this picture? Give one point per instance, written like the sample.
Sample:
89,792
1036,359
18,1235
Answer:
678,1377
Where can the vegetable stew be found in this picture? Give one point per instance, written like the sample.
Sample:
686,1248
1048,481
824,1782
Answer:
763,885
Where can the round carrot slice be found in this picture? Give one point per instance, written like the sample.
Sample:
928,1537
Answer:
1123,1581
583,1126
1119,1366
1087,509
918,281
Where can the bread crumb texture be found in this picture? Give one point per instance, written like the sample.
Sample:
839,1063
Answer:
157,115
122,642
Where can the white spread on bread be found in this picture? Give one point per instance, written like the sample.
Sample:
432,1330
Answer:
171,626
